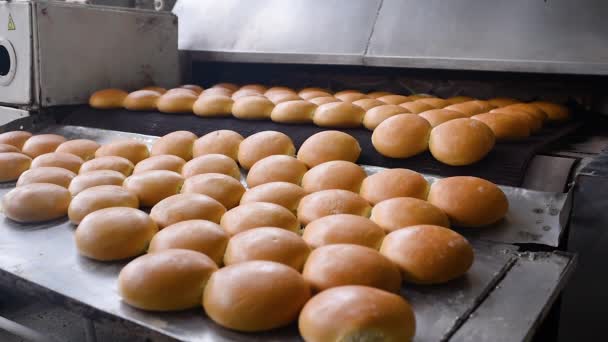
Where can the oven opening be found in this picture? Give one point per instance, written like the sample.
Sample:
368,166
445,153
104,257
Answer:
5,61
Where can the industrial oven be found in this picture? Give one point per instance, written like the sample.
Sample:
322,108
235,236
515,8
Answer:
536,278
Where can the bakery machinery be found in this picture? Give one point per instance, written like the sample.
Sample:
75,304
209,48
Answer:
523,285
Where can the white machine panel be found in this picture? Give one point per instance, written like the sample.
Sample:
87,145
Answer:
15,53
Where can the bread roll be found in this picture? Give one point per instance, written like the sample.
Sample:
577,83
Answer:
401,212
401,136
255,296
331,202
178,143
336,174
344,264
175,102
376,115
167,162
41,144
329,145
311,93
461,141
83,148
151,187
133,150
293,112
438,116
246,93
114,234
435,102
211,163
502,101
181,91
278,90
323,100
459,99
505,126
184,207
95,178
394,99
36,202
157,89
142,100
198,235
108,98
270,244
8,148
113,163
534,123
338,114
166,281
229,86
469,201
419,96
257,87
224,189
216,92
15,138
58,159
350,97
416,107
277,98
224,142
367,104
554,111
13,165
213,105
277,168
263,144
469,108
52,175
256,215
428,254
285,194
378,94
252,107
357,313
343,228
195,88
391,183
531,109
100,197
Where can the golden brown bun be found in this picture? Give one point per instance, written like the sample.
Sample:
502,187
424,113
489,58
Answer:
277,168
181,91
195,88
216,92
554,111
323,100
170,280
394,99
277,97
279,89
534,123
95,178
178,143
100,197
343,228
402,136
107,98
416,107
222,188
224,142
151,187
529,108
400,212
357,313
36,202
329,145
391,183
167,162
58,159
378,94
367,104
309,93
246,93
428,254
345,264
461,141
336,174
211,163
176,101
229,86
184,207
114,234
373,117
263,144
350,97
258,214
133,150
52,175
213,105
83,148
435,102
159,90
142,100
41,144
13,165
505,126
469,201
470,108
293,112
267,243
15,138
113,163
338,114
198,235
8,148
255,296
287,195
331,202
252,108
438,116
502,101
419,96
257,87
459,99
